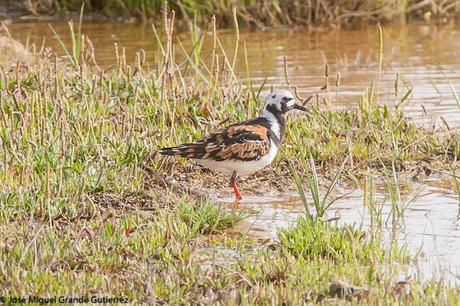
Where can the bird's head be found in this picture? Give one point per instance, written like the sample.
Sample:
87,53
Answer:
279,102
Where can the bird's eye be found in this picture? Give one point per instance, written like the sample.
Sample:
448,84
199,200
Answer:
285,99
274,96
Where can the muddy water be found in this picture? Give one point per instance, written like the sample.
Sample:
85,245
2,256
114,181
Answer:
425,55
430,227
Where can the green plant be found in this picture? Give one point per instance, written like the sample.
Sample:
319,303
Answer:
398,206
77,41
321,205
207,217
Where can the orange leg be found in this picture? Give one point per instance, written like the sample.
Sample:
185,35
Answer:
236,191
238,196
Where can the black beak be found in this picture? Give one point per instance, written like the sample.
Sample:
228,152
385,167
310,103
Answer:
301,108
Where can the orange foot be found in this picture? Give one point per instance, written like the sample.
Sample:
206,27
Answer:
236,204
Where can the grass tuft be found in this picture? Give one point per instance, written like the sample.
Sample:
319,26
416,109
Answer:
310,238
207,218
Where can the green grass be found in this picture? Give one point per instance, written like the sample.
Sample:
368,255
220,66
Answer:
310,239
207,218
160,261
85,256
321,205
370,138
87,207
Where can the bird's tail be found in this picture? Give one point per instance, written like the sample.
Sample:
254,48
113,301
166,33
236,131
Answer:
173,151
188,150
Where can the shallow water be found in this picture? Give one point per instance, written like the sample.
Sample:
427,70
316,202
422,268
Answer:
425,55
430,227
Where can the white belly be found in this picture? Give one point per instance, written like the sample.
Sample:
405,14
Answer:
242,167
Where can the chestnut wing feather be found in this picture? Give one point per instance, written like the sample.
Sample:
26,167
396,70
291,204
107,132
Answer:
242,142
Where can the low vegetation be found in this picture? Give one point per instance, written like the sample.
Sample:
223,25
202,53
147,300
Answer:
256,13
87,207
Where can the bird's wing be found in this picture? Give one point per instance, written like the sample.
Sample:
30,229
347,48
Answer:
241,142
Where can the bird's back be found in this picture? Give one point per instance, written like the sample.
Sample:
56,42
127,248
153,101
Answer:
235,146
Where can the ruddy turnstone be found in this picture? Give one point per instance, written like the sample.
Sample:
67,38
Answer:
245,147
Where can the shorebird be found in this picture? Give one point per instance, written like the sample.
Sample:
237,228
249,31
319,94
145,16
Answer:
245,147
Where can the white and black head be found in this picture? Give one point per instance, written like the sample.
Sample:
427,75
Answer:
281,101
277,105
